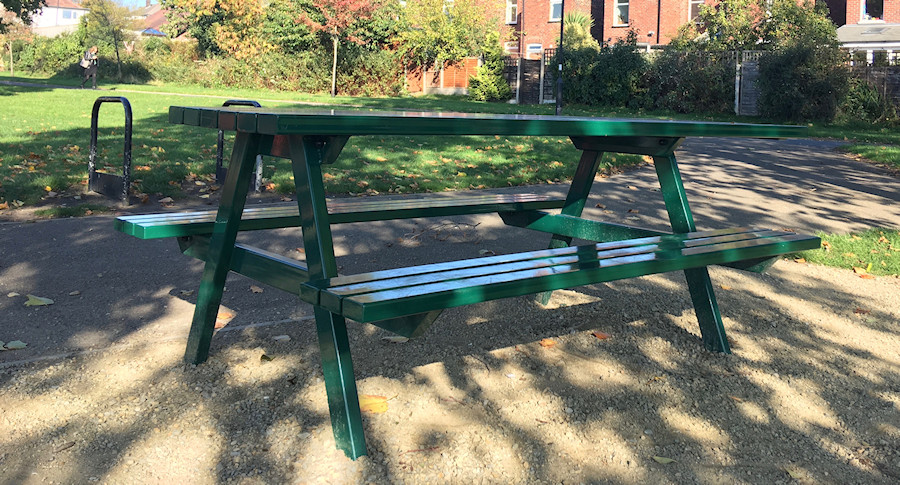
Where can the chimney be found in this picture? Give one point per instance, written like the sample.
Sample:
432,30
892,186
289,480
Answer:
148,3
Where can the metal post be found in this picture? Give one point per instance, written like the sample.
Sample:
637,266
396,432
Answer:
105,183
559,81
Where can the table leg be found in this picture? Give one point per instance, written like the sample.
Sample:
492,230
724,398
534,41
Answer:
712,330
221,247
575,200
307,155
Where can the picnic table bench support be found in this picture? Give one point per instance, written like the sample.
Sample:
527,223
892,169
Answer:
712,329
307,156
221,248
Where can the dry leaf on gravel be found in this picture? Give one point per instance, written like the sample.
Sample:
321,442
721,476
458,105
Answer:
663,460
548,343
255,289
601,335
396,339
372,404
222,318
38,301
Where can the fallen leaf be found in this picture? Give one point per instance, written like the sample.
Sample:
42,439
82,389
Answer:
826,246
735,398
600,206
867,276
858,270
222,318
849,255
800,260
601,335
395,339
12,294
548,343
632,187
725,287
633,211
255,289
15,345
663,460
265,358
74,293
270,187
166,200
862,312
187,292
795,473
282,338
486,252
372,404
301,250
4,205
37,301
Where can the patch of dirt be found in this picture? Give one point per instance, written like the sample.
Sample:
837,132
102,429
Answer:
501,392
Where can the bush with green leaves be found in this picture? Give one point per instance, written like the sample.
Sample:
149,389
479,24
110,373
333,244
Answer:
690,82
865,103
488,84
802,83
610,76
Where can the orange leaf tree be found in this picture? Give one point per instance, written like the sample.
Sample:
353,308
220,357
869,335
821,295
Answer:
339,20
221,26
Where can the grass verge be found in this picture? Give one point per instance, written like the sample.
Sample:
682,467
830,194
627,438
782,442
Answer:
872,252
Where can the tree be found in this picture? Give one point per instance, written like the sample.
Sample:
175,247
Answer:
339,20
108,23
21,10
728,25
15,30
440,31
221,26
577,34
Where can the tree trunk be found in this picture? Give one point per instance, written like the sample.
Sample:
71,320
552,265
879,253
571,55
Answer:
118,60
334,41
11,73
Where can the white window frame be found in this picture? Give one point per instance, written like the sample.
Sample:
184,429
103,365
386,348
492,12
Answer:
618,5
557,3
863,13
68,14
512,12
691,4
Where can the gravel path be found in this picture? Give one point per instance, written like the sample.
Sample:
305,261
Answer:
501,392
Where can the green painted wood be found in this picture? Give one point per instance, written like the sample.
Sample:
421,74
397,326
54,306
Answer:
307,156
648,145
284,121
574,227
221,248
566,268
151,226
266,267
712,328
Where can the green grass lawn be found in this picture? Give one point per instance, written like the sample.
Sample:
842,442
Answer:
875,252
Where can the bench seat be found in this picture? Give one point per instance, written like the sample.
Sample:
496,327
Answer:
370,297
363,209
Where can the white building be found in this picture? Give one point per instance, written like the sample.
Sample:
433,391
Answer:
56,17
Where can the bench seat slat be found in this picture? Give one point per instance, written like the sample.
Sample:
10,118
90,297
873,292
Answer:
150,226
575,266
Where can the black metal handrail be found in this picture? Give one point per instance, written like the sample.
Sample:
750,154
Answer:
105,183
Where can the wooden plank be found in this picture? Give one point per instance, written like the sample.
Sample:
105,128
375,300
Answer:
285,121
587,267
150,226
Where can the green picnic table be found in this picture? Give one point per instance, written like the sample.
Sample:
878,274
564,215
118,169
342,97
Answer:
407,300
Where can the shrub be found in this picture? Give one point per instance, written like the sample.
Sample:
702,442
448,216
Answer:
802,82
693,81
610,76
865,103
488,83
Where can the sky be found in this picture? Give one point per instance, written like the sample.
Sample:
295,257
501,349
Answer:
135,3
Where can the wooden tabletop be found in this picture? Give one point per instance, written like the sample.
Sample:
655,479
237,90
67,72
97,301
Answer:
293,121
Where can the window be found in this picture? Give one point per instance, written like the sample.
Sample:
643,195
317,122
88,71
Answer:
872,10
621,13
694,8
555,10
533,51
512,11
511,47
68,14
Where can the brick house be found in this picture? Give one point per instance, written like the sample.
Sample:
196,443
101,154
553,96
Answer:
536,23
869,26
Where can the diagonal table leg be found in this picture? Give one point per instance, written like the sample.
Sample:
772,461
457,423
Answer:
307,155
712,329
575,200
221,247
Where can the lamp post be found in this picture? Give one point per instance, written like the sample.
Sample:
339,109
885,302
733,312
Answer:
559,55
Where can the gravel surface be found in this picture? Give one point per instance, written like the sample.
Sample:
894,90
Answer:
810,395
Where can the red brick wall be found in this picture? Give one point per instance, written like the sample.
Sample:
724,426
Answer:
891,11
534,20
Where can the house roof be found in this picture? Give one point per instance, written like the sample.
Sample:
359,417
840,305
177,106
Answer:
876,33
63,4
155,20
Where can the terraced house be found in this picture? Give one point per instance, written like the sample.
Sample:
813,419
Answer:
536,23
